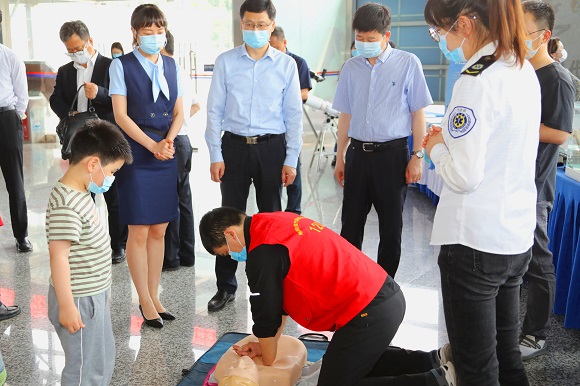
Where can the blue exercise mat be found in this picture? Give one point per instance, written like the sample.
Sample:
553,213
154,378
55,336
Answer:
196,375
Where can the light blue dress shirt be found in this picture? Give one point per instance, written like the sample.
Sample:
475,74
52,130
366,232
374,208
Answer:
254,97
381,98
13,84
155,72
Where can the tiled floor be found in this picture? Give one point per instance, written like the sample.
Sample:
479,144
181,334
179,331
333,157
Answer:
146,356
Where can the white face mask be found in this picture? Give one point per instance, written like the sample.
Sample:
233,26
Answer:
564,55
80,57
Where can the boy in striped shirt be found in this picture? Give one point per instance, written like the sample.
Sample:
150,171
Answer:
80,255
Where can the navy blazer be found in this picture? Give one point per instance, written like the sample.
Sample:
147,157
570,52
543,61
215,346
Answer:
66,87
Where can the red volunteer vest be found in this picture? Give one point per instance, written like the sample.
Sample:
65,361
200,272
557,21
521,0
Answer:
329,280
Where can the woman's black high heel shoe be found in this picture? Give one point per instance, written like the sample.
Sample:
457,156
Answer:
156,323
166,315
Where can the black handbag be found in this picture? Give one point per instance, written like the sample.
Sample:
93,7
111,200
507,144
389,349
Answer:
69,125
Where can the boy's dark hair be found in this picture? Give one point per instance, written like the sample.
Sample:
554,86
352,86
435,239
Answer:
372,17
278,33
70,28
214,223
145,15
542,12
553,46
118,46
101,139
170,45
258,6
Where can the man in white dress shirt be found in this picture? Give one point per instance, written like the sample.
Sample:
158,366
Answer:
13,102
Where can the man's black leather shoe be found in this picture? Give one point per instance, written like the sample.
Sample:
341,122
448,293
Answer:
23,245
219,300
118,256
7,312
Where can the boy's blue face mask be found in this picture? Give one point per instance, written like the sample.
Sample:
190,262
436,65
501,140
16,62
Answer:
107,182
238,256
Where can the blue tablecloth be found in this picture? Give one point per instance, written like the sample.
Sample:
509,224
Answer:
564,232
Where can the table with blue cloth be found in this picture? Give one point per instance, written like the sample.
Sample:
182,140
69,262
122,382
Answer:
564,232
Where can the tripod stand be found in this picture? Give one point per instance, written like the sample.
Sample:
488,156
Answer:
330,124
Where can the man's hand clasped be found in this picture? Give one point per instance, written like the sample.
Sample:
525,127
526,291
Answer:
251,349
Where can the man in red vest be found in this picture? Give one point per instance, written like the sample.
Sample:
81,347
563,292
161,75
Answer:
299,268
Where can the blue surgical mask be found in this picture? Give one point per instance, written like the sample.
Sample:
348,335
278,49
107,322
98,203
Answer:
256,38
238,256
107,182
369,49
354,52
152,44
115,56
529,44
457,55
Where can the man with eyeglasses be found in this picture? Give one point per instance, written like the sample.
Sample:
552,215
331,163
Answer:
255,100
381,96
89,72
556,124
13,102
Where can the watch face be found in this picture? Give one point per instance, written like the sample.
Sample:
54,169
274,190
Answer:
418,153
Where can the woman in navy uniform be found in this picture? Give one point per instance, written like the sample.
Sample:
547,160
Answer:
147,105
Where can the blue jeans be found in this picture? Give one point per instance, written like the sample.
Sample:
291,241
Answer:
481,299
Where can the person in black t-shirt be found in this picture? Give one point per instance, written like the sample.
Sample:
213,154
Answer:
556,124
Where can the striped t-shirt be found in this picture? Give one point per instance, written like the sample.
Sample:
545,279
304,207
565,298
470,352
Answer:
72,215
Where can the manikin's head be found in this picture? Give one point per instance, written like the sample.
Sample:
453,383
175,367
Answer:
241,372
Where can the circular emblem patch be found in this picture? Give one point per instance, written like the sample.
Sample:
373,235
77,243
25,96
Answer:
461,121
478,66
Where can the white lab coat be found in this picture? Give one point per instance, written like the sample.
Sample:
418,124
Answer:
491,133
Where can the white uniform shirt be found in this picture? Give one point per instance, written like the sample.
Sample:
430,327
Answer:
189,98
13,84
84,75
491,133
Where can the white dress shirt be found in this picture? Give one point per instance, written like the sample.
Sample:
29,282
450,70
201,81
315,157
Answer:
84,75
189,98
491,133
13,84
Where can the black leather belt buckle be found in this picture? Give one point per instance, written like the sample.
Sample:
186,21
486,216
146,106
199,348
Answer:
368,147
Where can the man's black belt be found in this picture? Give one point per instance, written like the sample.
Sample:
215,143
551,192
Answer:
7,108
252,140
370,147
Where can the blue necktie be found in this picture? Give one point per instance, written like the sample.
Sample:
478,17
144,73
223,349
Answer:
159,83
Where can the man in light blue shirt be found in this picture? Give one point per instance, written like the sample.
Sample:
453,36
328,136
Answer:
381,95
255,100
13,103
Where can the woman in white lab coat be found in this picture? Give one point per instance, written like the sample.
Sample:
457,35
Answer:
485,151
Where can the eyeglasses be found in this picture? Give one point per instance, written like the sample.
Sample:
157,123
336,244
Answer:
250,25
540,30
435,34
79,52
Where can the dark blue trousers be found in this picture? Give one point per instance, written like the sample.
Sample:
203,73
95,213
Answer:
481,299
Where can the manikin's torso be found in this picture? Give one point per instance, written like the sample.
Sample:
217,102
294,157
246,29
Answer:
285,371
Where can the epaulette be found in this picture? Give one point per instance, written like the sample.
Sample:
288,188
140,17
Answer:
479,66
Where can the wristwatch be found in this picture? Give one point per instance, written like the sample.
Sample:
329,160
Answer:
418,153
